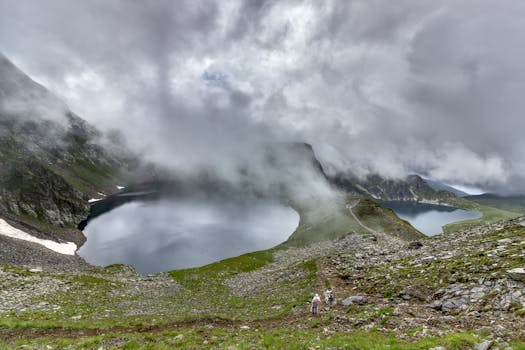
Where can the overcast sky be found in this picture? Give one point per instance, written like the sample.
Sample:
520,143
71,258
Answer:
395,87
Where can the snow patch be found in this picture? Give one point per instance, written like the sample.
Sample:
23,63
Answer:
120,187
95,200
7,230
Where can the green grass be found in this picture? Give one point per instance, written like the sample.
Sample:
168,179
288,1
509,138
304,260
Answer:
87,175
489,215
204,293
514,204
385,220
329,221
235,338
325,221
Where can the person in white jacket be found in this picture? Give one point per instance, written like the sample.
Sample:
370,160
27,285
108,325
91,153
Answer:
316,300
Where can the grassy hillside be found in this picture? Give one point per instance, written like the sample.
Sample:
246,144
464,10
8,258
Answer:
489,215
381,219
514,203
328,221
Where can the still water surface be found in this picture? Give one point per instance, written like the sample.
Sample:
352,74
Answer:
429,218
166,235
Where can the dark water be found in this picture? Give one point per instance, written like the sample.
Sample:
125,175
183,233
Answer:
429,218
164,235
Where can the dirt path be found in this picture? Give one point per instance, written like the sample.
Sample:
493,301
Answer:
353,205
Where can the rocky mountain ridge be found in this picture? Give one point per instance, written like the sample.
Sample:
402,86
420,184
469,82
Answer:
412,188
51,160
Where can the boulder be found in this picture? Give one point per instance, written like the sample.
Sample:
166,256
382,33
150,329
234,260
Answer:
355,300
517,274
436,305
483,345
415,245
453,304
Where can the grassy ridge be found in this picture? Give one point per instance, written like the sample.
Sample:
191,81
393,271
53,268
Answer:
329,221
381,219
488,215
515,204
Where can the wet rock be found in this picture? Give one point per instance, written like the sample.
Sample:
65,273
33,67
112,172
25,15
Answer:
453,304
415,245
436,305
355,300
517,274
477,296
428,258
483,345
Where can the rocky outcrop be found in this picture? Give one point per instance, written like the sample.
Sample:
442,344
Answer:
517,274
30,190
412,188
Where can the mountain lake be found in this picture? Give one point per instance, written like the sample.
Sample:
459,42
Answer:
429,218
162,235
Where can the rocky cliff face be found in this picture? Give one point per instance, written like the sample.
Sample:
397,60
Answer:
30,190
411,188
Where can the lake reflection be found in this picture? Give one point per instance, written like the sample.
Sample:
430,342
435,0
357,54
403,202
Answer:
429,218
166,235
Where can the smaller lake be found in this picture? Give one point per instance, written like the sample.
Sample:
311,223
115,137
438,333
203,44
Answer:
155,236
429,218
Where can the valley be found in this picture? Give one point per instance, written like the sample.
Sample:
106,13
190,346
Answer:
201,260
432,294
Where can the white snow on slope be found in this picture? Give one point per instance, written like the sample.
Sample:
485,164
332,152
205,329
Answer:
68,248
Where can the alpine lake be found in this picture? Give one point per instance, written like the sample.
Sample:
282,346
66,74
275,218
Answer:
162,235
429,218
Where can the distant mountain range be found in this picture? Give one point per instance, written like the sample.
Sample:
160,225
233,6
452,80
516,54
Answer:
411,188
511,203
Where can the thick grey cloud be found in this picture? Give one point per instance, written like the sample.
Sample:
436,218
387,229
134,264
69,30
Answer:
432,87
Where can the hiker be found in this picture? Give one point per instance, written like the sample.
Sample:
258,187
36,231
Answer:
329,297
315,303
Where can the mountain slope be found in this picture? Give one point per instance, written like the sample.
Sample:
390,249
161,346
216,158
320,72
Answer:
441,186
511,203
50,159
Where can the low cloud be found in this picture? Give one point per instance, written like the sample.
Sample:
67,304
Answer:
432,87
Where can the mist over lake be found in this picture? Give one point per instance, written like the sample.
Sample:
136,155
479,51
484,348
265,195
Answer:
429,218
163,235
